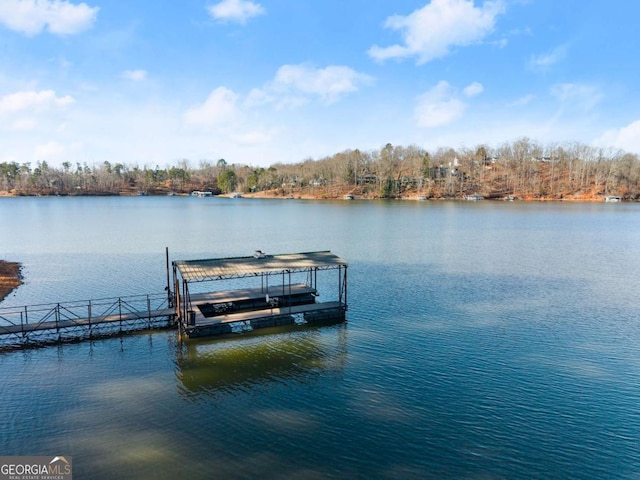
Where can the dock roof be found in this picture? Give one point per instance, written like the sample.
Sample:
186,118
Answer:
237,267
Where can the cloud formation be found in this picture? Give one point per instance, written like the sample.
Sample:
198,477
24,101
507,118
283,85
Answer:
31,100
59,17
546,60
134,75
626,138
432,31
473,89
576,96
235,10
329,83
441,105
295,84
521,101
25,110
220,106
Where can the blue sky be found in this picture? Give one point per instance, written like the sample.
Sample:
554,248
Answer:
264,81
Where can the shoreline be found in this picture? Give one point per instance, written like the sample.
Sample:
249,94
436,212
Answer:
410,196
10,277
416,197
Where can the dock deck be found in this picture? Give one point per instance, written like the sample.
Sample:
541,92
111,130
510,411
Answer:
251,320
287,293
293,300
250,294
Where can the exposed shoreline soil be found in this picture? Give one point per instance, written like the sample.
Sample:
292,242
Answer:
10,277
325,193
411,195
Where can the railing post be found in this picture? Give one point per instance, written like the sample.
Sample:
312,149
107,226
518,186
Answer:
346,303
149,310
289,301
49,318
168,284
57,317
89,312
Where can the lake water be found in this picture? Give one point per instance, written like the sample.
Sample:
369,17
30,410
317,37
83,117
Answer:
484,340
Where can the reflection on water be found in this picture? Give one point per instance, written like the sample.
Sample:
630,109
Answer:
283,354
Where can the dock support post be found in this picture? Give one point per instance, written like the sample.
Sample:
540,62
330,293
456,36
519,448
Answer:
289,299
89,317
345,287
175,300
149,306
57,317
120,312
168,284
23,321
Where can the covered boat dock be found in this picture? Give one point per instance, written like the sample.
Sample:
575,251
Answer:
258,291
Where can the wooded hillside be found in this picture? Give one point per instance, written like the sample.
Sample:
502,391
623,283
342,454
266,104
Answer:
522,169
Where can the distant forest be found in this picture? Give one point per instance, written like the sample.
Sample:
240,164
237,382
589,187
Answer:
522,169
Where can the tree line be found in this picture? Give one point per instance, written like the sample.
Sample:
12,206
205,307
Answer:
520,169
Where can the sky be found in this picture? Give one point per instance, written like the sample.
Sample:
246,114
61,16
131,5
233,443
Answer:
260,82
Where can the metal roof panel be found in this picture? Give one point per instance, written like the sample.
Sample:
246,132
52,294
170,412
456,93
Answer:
232,267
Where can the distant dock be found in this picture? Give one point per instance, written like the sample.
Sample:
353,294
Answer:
260,291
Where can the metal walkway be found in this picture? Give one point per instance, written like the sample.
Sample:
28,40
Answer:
69,321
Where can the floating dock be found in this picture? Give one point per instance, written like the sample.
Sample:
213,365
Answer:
283,289
255,292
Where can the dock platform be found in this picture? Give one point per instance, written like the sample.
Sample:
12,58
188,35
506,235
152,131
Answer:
268,290
293,300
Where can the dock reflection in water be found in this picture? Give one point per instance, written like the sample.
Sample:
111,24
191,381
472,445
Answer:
286,354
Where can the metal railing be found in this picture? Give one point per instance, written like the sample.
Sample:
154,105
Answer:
66,320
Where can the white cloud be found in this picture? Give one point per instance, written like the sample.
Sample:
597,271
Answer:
294,84
24,124
502,43
439,106
544,61
257,97
134,75
220,106
59,17
432,31
576,96
235,10
473,89
31,100
522,101
627,138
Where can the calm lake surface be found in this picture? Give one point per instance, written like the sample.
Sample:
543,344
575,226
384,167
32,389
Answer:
484,340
